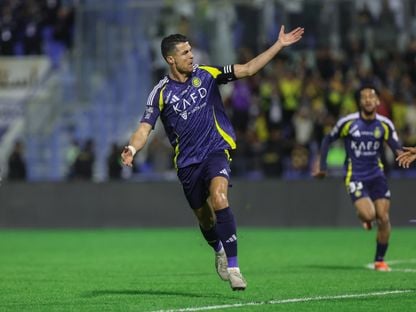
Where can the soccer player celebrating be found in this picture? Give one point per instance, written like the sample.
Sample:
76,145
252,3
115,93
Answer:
364,133
407,157
189,104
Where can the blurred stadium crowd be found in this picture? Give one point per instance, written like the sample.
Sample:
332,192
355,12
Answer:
280,115
29,27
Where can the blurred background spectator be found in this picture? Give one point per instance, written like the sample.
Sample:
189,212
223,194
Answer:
17,163
114,163
84,162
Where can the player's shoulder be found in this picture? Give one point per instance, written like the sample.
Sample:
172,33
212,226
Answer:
347,118
200,68
385,120
162,82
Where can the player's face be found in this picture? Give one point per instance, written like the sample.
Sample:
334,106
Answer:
183,57
369,101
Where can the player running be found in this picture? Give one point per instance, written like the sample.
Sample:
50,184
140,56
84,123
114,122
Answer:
190,107
364,133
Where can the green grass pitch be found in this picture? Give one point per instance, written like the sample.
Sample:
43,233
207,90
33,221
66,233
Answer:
172,270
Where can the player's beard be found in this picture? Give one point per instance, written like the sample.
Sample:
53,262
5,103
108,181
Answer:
368,113
186,70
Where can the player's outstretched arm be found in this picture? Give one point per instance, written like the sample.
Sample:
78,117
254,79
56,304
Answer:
257,63
136,143
407,157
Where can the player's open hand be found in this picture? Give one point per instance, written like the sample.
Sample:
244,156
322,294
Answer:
127,157
291,37
407,157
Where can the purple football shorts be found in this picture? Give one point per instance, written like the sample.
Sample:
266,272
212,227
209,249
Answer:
196,178
375,188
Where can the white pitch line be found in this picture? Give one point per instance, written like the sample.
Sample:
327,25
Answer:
292,300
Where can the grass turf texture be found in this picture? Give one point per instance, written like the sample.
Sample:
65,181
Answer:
162,269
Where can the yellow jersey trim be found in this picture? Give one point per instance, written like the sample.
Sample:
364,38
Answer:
346,128
224,134
386,131
161,103
212,70
227,153
175,159
380,164
349,173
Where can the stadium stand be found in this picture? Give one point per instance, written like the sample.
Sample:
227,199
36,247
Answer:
104,58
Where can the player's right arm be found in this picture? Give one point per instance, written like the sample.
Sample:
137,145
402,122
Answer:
137,142
319,167
139,138
341,129
407,157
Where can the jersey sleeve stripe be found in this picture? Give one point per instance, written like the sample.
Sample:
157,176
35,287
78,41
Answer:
154,91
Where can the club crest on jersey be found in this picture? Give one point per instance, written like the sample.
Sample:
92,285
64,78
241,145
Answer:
184,115
196,82
377,133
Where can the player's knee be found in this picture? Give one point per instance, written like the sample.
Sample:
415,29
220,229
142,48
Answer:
367,215
383,219
371,216
219,200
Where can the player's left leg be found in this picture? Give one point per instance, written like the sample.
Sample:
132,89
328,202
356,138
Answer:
382,206
362,202
208,227
365,211
226,228
196,192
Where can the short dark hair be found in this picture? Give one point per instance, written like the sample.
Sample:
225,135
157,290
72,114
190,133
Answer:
361,88
169,43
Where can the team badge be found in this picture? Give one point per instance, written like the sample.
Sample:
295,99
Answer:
377,132
196,82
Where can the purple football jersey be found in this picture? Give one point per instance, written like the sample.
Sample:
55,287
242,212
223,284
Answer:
193,113
363,140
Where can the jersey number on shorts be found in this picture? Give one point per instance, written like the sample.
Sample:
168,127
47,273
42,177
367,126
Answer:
355,186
